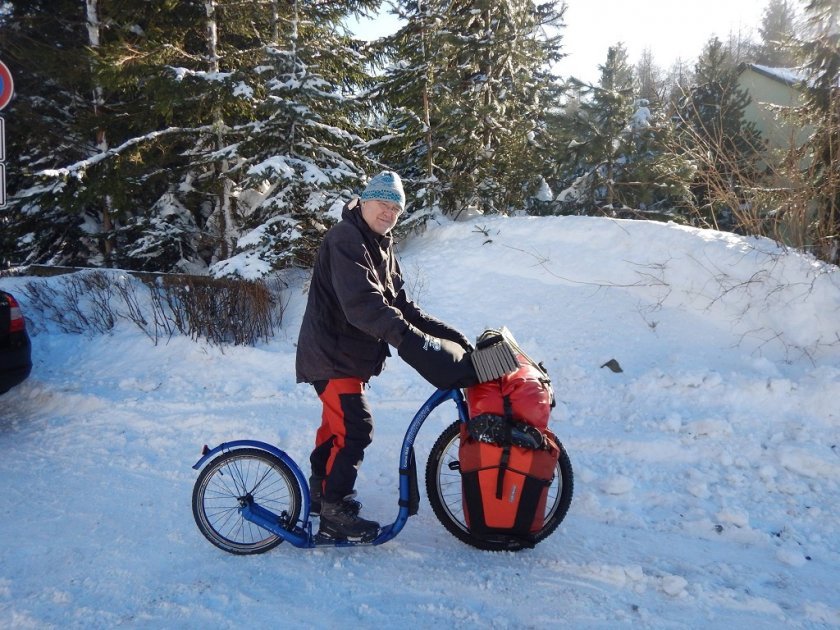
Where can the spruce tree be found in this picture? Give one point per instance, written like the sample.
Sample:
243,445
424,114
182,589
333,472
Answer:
130,126
616,149
597,123
170,119
478,74
613,106
273,134
821,55
713,131
650,84
740,46
52,121
678,82
777,32
410,96
305,155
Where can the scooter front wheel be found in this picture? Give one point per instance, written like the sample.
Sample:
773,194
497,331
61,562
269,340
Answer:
238,478
443,487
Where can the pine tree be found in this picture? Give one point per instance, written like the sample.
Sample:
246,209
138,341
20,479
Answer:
617,149
777,31
714,132
821,53
468,89
187,96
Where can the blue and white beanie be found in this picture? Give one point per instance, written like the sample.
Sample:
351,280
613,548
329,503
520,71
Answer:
387,186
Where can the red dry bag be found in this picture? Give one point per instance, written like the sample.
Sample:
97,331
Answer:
507,455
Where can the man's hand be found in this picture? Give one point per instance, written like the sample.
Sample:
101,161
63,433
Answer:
462,341
442,362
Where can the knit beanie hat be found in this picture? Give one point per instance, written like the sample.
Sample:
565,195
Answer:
386,186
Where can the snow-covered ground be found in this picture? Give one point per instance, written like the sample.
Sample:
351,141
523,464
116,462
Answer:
707,473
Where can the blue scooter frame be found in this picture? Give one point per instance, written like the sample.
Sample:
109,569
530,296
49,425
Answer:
300,533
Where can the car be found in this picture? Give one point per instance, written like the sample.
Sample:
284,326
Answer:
15,347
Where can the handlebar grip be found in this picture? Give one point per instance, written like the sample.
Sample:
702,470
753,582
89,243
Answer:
494,361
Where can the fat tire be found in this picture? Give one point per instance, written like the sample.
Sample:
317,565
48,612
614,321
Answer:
443,487
243,474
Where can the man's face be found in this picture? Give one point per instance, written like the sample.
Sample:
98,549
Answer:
381,216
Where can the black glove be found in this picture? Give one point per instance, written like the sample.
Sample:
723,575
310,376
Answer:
444,363
435,328
461,340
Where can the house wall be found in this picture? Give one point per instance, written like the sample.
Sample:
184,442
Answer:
766,92
789,223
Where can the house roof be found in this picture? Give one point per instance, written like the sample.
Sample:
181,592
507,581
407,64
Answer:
789,76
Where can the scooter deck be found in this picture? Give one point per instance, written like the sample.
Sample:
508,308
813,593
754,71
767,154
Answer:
302,536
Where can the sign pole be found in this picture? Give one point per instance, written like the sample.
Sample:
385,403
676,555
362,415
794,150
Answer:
7,89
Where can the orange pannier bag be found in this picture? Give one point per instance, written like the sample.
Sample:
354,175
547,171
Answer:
507,455
505,486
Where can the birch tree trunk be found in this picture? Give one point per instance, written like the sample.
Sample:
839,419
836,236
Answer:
487,71
293,70
275,22
224,209
93,29
430,199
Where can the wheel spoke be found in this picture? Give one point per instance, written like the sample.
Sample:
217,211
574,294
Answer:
445,493
233,479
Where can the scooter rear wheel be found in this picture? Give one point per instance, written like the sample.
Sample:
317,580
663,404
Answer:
443,487
234,479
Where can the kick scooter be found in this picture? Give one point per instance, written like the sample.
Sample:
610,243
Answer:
251,496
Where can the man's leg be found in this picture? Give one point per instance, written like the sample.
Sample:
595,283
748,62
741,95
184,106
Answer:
349,431
320,454
346,430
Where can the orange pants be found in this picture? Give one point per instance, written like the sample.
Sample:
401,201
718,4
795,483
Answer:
346,430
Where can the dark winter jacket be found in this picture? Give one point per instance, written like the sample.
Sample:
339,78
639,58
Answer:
357,305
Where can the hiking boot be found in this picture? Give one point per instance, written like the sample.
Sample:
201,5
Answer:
316,495
340,520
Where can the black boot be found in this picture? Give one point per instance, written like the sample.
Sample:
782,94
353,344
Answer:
340,520
316,495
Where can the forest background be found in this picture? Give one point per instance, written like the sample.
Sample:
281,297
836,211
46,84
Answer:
222,137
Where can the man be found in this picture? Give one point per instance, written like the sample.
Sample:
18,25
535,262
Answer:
357,307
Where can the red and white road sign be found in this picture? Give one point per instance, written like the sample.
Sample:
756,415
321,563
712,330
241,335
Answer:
7,85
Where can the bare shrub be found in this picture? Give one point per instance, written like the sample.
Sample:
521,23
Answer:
221,311
792,200
239,312
81,304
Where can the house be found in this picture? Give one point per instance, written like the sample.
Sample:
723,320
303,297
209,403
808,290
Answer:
774,93
772,90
